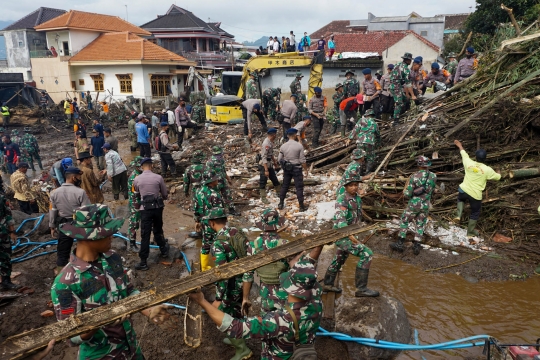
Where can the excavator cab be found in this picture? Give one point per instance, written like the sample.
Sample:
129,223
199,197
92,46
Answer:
226,108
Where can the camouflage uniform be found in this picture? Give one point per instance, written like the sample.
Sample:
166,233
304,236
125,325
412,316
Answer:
296,88
193,176
351,87
6,220
349,212
134,215
367,137
217,164
338,97
30,150
301,111
251,89
276,329
15,137
198,113
353,170
451,68
418,208
270,101
399,78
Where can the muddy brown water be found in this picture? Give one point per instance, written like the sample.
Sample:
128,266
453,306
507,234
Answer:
444,307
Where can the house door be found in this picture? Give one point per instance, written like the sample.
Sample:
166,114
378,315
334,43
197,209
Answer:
65,47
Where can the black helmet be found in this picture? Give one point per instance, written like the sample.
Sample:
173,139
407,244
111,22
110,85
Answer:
481,155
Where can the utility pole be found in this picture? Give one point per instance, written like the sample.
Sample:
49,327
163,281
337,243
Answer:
127,19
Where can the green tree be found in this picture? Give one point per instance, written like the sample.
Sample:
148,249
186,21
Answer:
488,14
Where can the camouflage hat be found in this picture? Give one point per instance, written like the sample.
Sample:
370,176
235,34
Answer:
216,150
299,74
338,85
350,178
270,220
14,132
136,162
254,74
91,222
349,71
423,161
358,154
369,112
209,176
407,56
452,55
215,213
198,155
300,280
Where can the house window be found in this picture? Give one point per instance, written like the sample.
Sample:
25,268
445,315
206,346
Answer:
73,85
125,83
81,82
423,33
98,82
21,44
159,84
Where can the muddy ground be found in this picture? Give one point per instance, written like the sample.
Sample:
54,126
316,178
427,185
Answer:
24,313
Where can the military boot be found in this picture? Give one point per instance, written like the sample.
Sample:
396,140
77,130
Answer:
165,249
7,284
471,232
416,247
303,207
361,280
242,351
125,195
133,246
328,283
281,205
142,266
263,196
342,130
399,245
116,196
460,206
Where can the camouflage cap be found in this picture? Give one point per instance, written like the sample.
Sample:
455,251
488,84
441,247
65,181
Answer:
369,112
216,150
350,178
300,279
198,155
14,132
136,162
407,56
349,71
270,220
91,222
452,55
254,74
215,213
209,176
423,161
358,154
338,85
299,74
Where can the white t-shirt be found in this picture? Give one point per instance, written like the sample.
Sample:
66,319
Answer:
270,44
276,46
170,117
293,39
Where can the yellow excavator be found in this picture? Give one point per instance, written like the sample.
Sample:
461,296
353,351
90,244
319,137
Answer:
226,109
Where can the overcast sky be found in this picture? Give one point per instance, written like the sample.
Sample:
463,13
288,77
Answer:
249,19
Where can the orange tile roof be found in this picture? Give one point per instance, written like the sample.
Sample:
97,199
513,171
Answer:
123,46
75,19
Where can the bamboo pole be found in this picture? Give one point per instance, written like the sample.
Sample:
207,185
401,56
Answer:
512,18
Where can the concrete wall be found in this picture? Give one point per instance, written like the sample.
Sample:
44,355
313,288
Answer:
435,31
27,74
17,49
381,26
79,39
52,40
411,44
52,74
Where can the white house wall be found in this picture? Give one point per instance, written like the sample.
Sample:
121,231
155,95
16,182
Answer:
161,69
53,40
411,44
79,40
17,56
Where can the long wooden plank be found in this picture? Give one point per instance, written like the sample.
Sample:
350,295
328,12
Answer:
21,345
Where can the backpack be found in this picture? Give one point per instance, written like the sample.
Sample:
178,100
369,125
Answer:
301,351
157,143
238,242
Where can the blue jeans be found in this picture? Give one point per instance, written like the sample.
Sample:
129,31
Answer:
11,168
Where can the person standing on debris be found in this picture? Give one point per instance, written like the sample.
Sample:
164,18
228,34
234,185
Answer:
317,107
44,101
171,119
401,86
301,128
198,114
97,125
419,191
89,182
387,101
267,164
90,105
451,66
296,85
75,109
348,112
94,263
80,126
132,132
284,332
193,176
249,107
30,148
116,172
104,113
292,160
208,197
229,240
134,220
81,144
217,163
164,150
436,75
349,212
15,137
288,114
476,176
183,121
273,297
371,89
57,172
367,137
109,138
150,194
354,170
466,66
416,77
338,97
251,86
11,154
21,185
270,102
351,86
96,149
7,237
155,123
64,200
5,115
143,138
67,110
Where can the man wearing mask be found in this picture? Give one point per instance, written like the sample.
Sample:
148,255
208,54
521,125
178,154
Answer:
466,66
67,197
436,75
183,121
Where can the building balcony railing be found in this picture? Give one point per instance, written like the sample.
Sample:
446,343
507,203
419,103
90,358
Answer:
44,54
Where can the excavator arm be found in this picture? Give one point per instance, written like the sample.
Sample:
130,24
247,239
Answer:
283,60
192,73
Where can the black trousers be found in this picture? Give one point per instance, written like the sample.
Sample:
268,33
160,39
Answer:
259,115
167,161
271,174
387,104
286,126
28,207
476,205
189,125
298,176
119,184
374,104
151,221
318,124
144,150
63,249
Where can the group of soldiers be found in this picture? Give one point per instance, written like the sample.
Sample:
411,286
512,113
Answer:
16,148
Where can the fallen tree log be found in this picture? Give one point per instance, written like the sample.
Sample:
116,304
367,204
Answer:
29,342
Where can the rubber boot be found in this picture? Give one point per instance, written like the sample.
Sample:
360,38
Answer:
416,247
227,341
281,205
242,351
116,196
328,283
125,195
303,207
342,130
8,285
133,246
39,164
165,249
142,266
334,128
263,196
471,232
399,245
361,280
205,262
460,206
